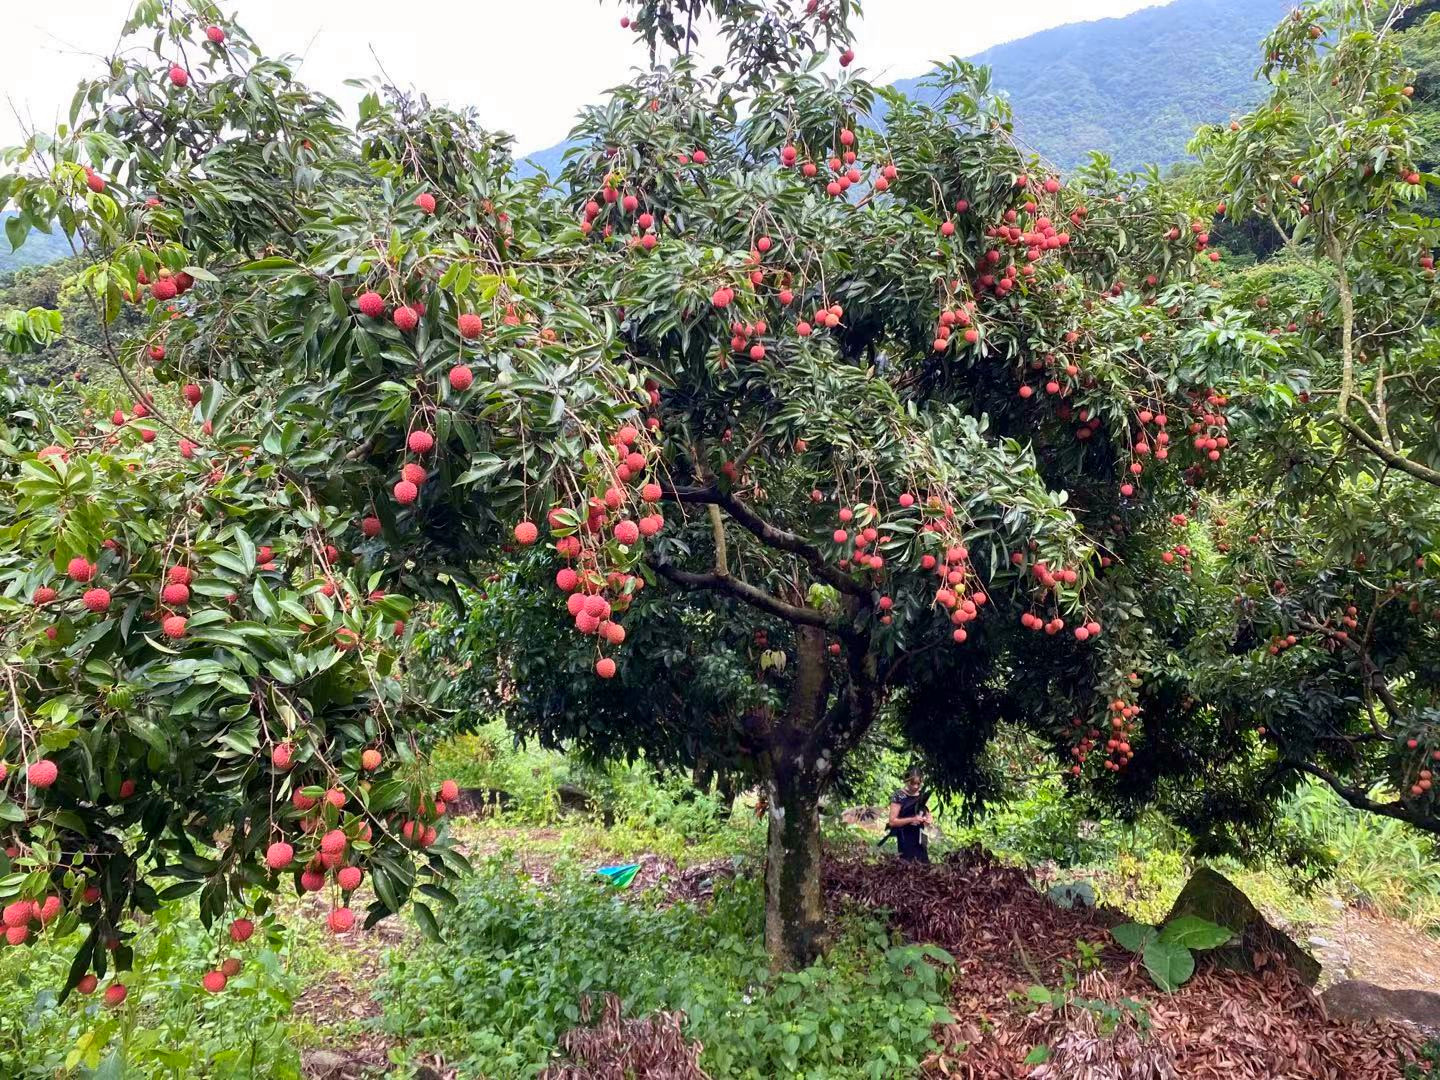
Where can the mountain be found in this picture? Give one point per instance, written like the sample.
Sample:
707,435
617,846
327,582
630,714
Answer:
1134,87
38,248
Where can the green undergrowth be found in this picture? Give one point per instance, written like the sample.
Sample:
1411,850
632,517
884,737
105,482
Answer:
168,1025
506,980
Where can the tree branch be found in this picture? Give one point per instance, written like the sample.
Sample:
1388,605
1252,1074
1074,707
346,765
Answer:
741,590
1390,457
770,535
1360,801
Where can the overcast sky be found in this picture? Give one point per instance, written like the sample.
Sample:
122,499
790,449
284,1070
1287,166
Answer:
527,64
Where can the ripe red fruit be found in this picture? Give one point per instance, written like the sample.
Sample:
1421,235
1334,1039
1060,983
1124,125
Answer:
426,202
42,773
333,842
947,228
279,855
312,880
230,967
627,532
566,579
178,75
215,34
80,569
282,755
87,984
526,533
605,667
405,492
180,575
460,378
174,627
241,929
97,600
420,442
469,326
370,760
405,317
175,595
651,524
341,920
349,878
115,994
449,790
699,157
370,526
847,57
371,304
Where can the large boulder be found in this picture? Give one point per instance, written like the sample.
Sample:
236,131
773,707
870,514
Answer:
1357,1000
1212,896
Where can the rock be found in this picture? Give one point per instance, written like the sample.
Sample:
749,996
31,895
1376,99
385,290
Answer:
1358,1000
1212,896
1072,895
480,801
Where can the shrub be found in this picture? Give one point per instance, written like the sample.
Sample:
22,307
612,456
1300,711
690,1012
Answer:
505,982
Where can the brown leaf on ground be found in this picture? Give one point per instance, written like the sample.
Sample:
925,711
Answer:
1006,936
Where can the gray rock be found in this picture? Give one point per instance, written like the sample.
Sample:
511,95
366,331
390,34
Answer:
1358,1000
1212,896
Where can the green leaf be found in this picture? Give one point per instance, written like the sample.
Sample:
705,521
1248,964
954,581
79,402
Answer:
426,918
1133,936
1194,932
1169,965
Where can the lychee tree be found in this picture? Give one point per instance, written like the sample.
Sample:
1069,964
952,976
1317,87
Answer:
875,416
1306,641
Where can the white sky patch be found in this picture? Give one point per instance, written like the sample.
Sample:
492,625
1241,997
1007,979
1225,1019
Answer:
527,66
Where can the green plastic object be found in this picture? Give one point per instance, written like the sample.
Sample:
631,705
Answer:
619,876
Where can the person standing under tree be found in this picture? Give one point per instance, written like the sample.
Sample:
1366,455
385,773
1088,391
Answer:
908,818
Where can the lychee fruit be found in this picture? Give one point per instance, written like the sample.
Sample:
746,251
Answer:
174,627
214,981
469,326
370,760
341,920
426,202
282,755
279,855
178,75
420,442
405,318
461,377
115,994
605,667
449,790
87,984
370,526
371,304
405,492
175,595
215,34
42,774
80,569
349,878
526,533
97,600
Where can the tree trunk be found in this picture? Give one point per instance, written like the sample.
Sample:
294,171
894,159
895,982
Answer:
794,904
794,774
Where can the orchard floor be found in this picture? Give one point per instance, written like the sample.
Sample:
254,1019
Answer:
1007,937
